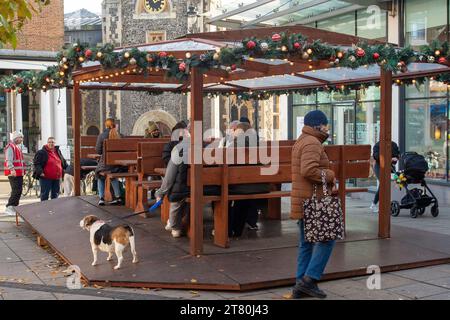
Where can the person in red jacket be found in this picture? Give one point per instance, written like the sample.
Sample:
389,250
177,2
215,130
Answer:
14,167
49,165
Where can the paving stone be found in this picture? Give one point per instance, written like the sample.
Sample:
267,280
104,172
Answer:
389,281
375,295
21,294
17,272
418,290
420,274
441,282
7,255
442,296
442,267
343,287
64,296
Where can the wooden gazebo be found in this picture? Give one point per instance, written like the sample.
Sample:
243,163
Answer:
254,74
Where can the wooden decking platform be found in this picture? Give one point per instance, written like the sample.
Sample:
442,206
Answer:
262,259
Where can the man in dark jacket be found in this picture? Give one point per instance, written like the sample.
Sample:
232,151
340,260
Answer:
178,132
49,165
376,169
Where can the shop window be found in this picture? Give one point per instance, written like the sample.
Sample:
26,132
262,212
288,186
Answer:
426,133
343,24
425,21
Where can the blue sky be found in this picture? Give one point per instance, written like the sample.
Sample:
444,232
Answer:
91,5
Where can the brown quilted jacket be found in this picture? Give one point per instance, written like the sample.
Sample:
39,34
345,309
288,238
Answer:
308,160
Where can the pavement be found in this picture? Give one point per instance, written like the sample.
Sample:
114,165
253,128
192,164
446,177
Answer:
31,272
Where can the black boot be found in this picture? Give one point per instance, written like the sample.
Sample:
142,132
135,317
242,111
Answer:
307,285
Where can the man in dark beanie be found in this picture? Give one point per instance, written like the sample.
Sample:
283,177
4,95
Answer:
315,118
309,162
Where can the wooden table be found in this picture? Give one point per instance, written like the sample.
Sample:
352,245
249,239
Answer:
161,171
94,156
130,195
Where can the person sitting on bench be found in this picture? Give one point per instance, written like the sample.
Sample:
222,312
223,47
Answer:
109,133
245,211
178,132
152,131
69,175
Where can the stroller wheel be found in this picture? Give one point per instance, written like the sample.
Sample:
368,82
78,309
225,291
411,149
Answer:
395,208
414,212
421,211
435,211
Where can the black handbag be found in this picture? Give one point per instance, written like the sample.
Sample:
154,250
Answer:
323,218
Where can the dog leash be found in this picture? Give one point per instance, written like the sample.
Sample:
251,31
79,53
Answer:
151,209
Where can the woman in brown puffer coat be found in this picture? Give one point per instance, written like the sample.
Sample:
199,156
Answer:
308,161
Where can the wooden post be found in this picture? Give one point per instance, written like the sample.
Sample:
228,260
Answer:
384,216
76,124
196,212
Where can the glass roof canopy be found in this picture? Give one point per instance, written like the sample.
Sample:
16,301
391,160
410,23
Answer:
254,74
251,13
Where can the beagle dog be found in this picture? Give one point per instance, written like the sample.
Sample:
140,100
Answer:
109,239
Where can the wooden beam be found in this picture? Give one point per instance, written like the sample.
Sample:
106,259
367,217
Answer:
384,216
196,210
76,125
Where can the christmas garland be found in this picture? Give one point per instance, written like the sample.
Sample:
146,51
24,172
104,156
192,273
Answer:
279,46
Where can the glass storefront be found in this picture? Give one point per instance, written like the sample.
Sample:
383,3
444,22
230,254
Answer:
427,114
368,23
425,21
427,106
354,118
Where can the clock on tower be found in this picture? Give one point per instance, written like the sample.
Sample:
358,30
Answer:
155,6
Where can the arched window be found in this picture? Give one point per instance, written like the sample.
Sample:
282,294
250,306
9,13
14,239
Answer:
93,131
234,113
244,111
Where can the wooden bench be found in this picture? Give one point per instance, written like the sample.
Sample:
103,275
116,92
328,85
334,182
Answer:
88,146
149,157
118,150
351,161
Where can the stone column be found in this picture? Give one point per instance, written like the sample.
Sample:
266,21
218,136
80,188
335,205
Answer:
46,117
283,117
60,121
18,123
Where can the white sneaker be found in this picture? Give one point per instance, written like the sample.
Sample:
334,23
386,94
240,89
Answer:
9,211
374,208
168,227
176,233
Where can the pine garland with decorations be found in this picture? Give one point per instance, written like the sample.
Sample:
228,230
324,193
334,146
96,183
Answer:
279,46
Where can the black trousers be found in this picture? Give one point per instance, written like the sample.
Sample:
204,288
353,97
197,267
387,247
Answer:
16,184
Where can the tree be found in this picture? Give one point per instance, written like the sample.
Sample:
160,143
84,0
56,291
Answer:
13,15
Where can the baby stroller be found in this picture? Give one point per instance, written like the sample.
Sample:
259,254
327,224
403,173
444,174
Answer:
416,199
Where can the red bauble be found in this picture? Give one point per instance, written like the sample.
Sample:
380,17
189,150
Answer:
182,66
163,54
77,49
297,45
233,67
360,53
19,80
376,56
251,45
88,53
20,90
276,37
7,90
442,60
